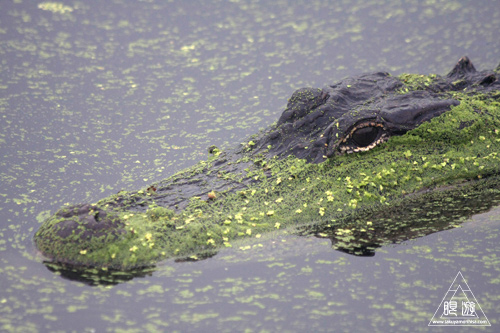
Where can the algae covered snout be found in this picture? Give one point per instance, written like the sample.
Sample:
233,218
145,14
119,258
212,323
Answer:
83,223
358,145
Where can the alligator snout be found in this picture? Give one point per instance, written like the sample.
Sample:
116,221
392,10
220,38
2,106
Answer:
172,218
78,224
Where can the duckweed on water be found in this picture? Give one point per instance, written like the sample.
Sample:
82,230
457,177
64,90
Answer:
94,101
460,145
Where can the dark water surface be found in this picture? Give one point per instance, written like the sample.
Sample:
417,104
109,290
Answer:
96,97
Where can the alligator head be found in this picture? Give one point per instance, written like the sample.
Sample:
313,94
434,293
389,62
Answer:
267,183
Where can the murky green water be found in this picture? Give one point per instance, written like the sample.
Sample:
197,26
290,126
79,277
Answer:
101,96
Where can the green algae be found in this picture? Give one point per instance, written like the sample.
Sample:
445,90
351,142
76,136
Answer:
259,286
441,153
320,57
55,7
416,81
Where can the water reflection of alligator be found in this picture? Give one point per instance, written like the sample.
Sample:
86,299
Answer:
302,170
432,212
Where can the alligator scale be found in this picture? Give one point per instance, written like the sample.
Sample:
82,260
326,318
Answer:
335,156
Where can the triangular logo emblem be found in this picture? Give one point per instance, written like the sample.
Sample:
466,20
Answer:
459,307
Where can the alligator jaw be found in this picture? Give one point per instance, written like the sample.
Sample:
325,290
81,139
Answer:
355,115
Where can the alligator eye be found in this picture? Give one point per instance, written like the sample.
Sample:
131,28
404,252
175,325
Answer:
365,136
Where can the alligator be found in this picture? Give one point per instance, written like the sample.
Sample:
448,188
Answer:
335,157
